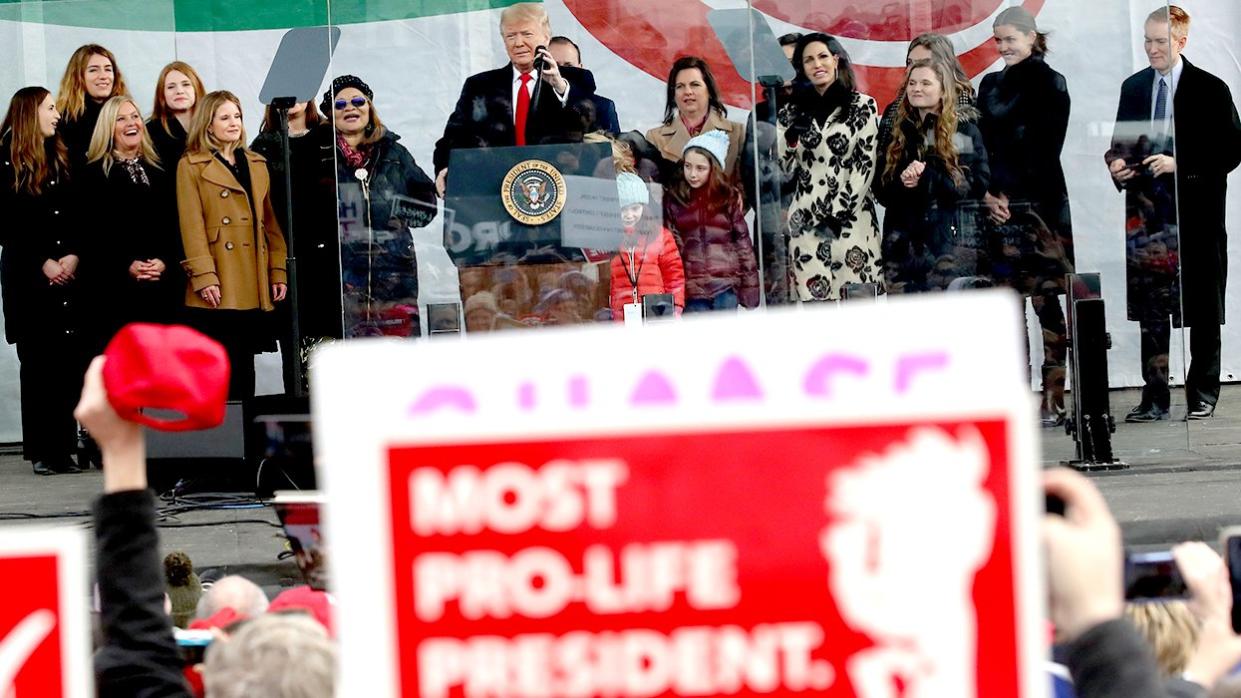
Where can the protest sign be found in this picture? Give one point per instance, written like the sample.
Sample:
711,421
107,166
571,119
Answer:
826,501
44,627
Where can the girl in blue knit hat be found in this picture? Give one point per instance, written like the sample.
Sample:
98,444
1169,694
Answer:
647,260
707,216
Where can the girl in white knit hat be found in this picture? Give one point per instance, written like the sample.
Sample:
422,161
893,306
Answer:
707,215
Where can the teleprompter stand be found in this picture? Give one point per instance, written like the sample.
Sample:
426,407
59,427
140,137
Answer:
1092,423
296,72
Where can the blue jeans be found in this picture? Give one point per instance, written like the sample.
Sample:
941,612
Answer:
724,300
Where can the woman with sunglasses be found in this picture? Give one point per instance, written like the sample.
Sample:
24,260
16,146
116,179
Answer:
393,196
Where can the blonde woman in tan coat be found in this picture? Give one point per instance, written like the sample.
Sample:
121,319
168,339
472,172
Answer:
234,249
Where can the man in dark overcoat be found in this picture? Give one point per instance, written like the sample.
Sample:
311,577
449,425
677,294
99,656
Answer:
1177,137
493,112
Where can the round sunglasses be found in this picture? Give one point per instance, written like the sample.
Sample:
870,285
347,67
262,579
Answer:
358,102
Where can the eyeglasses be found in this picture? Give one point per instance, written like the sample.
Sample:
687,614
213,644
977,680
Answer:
358,102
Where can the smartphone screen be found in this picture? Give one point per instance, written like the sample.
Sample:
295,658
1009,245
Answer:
1153,576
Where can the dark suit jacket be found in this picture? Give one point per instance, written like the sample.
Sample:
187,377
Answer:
606,118
483,117
1207,147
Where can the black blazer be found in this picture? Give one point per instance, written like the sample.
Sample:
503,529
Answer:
1207,147
483,117
141,224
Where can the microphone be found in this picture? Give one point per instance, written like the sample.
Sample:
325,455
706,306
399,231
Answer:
539,63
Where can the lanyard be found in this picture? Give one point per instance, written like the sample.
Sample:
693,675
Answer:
630,272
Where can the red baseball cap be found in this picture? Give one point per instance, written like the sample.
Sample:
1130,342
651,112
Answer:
302,598
167,367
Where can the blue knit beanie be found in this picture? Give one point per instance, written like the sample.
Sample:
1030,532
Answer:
631,190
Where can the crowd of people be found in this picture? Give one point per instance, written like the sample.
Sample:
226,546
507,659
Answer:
971,182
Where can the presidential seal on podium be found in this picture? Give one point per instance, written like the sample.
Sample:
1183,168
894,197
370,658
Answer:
533,192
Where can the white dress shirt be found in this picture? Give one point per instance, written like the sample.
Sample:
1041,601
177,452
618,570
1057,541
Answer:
564,98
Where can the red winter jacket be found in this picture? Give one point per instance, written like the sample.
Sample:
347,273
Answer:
656,263
715,246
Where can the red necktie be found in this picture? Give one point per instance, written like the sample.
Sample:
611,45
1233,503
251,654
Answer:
523,108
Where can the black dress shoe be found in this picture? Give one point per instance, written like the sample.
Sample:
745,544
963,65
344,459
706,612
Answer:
64,467
1202,411
40,468
1146,413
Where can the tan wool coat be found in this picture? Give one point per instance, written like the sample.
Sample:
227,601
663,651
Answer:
671,138
223,244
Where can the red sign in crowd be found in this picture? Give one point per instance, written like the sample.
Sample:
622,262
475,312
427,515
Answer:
709,563
43,633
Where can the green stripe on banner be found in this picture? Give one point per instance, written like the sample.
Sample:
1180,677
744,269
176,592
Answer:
228,15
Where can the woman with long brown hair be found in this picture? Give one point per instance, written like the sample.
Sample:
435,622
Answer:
234,250
936,162
177,93
91,78
936,48
38,274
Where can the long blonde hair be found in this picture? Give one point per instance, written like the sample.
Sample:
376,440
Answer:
200,139
71,100
102,141
945,126
28,146
160,111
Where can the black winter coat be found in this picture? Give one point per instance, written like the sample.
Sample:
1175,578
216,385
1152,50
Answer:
141,225
77,132
1207,147
380,265
930,232
170,144
138,657
36,229
1025,117
314,238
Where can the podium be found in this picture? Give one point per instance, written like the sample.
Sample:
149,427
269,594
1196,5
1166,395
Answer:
532,229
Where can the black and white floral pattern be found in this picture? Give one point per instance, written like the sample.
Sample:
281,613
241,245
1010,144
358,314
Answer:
833,231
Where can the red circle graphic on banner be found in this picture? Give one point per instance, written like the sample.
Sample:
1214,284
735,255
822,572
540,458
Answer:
651,34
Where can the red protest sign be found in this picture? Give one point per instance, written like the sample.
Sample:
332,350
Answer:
775,512
42,621
709,563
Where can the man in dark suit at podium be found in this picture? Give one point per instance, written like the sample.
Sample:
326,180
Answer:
502,107
1177,138
598,112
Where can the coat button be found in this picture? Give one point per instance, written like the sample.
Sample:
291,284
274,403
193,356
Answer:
226,220
224,194
228,245
55,213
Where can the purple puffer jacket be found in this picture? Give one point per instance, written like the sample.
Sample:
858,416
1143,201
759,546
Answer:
716,249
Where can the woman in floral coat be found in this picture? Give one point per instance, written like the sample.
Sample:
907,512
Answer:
827,136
